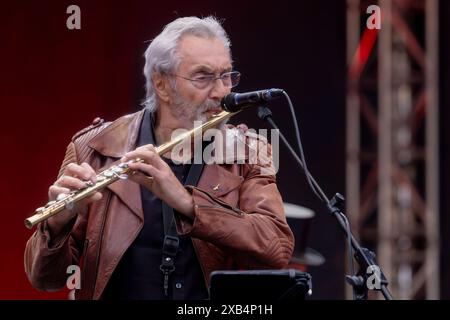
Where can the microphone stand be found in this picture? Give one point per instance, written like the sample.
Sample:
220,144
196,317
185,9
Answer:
364,257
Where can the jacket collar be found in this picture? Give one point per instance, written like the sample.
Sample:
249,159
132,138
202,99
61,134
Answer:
119,137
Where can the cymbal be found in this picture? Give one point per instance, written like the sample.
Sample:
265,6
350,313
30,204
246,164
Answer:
310,258
297,212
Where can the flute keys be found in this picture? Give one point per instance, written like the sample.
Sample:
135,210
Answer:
50,203
108,174
117,169
60,196
89,183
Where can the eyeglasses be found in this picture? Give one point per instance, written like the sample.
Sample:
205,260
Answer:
205,80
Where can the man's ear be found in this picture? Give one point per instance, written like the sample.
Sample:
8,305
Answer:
162,86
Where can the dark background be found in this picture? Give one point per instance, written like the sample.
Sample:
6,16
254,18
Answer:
55,81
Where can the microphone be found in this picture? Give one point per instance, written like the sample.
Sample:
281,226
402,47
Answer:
234,101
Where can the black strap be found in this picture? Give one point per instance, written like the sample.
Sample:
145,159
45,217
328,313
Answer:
171,240
192,179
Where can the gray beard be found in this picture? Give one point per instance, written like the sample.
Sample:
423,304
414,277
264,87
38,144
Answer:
189,112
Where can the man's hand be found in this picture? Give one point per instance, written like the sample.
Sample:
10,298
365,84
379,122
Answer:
74,178
156,175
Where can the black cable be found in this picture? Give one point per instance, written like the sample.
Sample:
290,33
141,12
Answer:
310,179
322,196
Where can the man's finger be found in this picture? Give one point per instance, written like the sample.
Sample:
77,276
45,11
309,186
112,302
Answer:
75,170
149,157
142,179
145,168
70,182
91,171
55,191
95,197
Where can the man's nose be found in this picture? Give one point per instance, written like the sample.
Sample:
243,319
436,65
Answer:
219,90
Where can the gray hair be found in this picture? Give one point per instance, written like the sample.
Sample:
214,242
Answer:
161,55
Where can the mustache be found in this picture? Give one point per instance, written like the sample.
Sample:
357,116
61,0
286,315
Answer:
208,105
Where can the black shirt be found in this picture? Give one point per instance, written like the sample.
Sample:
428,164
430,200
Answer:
137,275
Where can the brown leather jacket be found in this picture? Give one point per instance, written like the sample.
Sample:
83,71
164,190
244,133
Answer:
239,224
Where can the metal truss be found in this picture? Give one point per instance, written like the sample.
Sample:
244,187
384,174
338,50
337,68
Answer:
392,141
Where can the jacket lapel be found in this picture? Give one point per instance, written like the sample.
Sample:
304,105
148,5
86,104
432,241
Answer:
113,142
